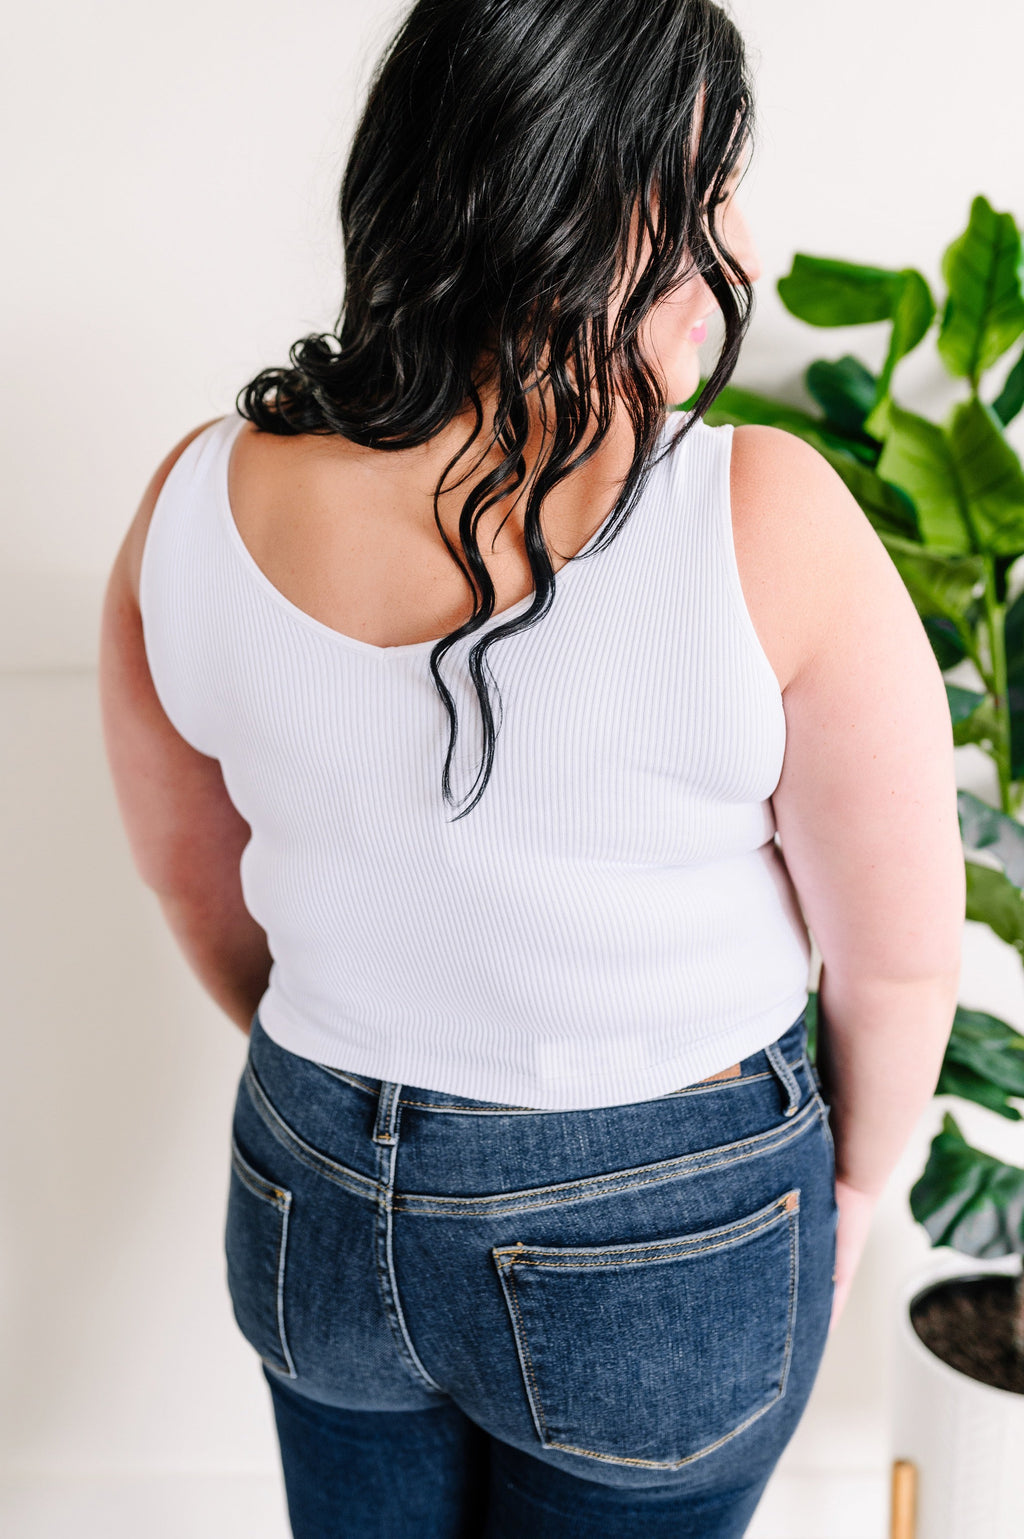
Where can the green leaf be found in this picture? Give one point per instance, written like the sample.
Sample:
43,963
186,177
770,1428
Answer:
984,310
825,291
983,726
969,1200
1011,398
964,478
913,313
962,703
811,1019
994,900
984,827
845,390
742,406
989,476
879,420
918,457
938,584
1013,646
956,1079
990,1047
739,406
889,509
947,643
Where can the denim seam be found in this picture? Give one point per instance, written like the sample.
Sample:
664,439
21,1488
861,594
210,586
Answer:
626,1255
352,1181
286,1215
497,1108
794,1277
277,1196
507,1280
823,1115
281,1202
607,1185
792,1214
786,1076
497,1206
387,1116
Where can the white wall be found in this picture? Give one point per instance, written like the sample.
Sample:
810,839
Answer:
172,174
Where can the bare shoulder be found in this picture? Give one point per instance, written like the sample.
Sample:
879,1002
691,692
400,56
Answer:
802,542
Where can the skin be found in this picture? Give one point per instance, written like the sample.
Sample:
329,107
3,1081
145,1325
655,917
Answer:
667,331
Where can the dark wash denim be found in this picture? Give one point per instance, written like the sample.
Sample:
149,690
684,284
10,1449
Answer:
485,1320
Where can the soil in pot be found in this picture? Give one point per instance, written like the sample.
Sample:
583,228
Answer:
967,1322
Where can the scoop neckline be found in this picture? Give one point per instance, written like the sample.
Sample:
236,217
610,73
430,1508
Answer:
408,648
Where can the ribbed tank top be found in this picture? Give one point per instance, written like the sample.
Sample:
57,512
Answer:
613,920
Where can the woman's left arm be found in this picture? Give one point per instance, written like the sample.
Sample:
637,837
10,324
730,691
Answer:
186,835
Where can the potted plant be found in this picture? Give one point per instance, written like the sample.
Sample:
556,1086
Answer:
947,500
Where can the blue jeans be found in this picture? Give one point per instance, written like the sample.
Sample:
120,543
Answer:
483,1321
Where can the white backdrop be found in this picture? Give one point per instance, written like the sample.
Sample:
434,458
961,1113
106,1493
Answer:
172,176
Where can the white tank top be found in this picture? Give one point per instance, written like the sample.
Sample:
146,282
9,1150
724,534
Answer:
613,920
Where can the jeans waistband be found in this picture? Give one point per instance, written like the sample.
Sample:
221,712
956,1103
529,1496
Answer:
780,1058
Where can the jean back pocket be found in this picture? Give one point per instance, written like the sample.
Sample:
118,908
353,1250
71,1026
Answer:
256,1245
656,1353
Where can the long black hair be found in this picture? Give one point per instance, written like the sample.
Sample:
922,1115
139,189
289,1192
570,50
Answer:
489,215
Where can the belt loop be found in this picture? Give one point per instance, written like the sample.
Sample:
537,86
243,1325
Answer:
787,1079
386,1119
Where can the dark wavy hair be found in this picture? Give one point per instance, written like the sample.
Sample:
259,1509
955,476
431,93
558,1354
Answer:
489,215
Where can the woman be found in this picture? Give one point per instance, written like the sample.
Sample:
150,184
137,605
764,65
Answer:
535,1218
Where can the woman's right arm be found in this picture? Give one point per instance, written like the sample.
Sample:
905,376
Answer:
865,807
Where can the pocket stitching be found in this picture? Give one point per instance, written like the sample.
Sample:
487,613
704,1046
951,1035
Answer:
277,1196
280,1199
506,1273
523,1352
726,1234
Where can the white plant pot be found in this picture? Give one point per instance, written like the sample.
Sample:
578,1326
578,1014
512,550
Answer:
965,1438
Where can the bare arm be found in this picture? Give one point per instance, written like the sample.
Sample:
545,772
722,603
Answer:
865,805
186,836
